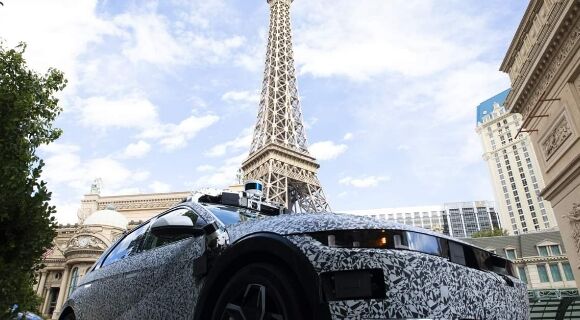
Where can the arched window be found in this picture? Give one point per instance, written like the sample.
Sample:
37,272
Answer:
73,280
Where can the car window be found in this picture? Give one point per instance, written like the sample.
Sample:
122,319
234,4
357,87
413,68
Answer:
152,241
127,246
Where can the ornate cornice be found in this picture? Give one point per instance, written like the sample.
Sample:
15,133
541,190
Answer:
540,259
532,82
523,28
150,204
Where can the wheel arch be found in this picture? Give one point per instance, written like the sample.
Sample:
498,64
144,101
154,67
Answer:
263,247
68,310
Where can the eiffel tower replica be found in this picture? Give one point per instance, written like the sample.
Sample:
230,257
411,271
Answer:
279,154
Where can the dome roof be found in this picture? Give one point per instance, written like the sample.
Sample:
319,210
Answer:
107,217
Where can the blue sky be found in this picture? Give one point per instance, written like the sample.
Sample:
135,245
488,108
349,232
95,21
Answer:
163,95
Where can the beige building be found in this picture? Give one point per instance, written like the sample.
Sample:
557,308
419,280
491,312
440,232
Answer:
539,258
540,261
514,169
543,63
102,219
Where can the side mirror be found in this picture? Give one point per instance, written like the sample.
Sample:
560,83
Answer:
172,225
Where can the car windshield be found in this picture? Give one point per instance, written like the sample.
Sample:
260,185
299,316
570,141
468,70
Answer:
230,215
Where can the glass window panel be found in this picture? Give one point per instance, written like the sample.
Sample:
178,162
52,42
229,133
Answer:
542,273
556,276
419,242
73,281
522,272
555,250
567,271
129,245
510,254
543,251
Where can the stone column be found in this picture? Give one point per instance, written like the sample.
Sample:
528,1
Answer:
61,292
44,307
41,283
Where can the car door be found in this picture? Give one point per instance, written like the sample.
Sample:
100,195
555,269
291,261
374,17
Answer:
170,283
108,290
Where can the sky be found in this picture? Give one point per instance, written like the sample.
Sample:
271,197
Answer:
163,95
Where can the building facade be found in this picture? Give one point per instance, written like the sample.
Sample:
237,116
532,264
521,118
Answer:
514,170
539,257
540,261
457,219
102,220
543,63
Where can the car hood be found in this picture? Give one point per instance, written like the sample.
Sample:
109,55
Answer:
297,223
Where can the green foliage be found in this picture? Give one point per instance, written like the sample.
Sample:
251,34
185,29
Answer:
27,109
490,233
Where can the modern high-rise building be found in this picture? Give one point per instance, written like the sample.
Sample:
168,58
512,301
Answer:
457,219
513,166
466,218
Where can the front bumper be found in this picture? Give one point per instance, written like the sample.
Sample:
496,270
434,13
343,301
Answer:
418,285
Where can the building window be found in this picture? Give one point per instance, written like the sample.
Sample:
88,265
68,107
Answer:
549,250
542,273
555,270
73,280
568,271
522,272
510,254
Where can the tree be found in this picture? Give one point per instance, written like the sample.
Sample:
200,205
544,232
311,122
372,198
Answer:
489,233
28,107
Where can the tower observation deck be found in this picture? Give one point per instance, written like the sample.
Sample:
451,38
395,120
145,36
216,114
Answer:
279,154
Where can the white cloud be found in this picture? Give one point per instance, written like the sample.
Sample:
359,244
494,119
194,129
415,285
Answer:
205,168
139,113
244,98
137,150
159,187
150,39
348,136
221,176
56,32
69,169
327,150
329,41
175,136
364,182
66,212
127,112
242,141
57,147
403,147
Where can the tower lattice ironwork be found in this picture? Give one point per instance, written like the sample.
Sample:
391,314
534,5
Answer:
279,154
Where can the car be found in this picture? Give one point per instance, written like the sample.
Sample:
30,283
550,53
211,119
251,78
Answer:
234,256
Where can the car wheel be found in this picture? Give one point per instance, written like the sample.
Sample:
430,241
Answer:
256,292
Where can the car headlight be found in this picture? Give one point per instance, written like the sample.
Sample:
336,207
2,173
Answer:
379,239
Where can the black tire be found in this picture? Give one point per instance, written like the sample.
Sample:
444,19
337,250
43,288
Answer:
259,291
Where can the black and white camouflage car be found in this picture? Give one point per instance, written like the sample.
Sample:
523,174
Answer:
228,257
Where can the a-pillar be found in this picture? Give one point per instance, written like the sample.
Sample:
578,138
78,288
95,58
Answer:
61,292
41,283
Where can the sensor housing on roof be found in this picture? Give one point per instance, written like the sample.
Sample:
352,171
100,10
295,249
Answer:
253,188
